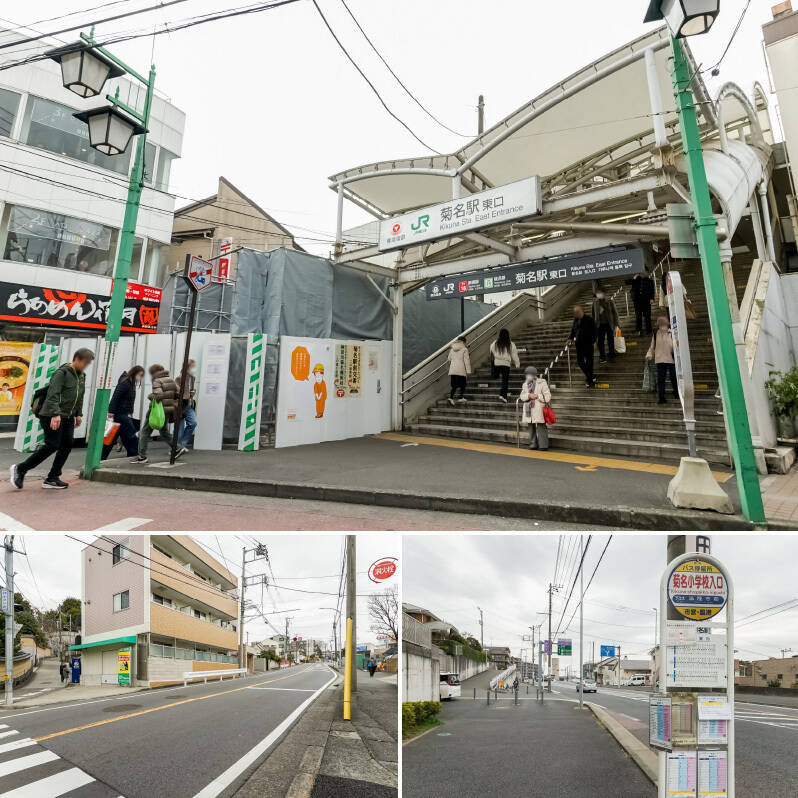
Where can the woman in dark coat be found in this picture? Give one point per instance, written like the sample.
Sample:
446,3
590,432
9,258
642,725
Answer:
120,410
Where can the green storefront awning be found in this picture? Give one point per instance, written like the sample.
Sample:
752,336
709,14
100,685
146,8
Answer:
129,640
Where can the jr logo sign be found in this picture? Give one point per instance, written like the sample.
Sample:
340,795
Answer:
422,223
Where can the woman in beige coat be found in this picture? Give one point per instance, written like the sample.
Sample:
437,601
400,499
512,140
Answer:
459,369
535,394
661,352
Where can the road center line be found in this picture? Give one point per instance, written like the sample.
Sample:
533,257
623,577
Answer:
157,709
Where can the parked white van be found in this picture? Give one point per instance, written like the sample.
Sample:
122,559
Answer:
450,686
638,680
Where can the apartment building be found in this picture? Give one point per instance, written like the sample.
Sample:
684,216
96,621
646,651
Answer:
155,606
764,672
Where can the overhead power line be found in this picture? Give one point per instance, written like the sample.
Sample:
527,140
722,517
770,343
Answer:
371,85
398,79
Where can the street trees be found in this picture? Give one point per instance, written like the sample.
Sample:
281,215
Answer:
384,612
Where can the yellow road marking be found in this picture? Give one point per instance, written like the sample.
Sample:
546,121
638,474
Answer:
157,709
586,468
559,457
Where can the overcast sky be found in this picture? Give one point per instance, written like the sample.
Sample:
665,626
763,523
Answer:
274,105
51,571
508,575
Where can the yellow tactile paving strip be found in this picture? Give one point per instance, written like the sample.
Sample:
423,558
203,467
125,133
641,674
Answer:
583,462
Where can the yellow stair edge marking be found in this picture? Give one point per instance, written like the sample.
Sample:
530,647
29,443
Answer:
559,457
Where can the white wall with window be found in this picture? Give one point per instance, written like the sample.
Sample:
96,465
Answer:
62,202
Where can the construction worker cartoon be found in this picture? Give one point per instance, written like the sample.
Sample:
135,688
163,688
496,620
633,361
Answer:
319,389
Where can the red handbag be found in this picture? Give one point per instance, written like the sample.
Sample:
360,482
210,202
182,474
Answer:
548,415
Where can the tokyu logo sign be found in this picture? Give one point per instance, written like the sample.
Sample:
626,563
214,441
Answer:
697,589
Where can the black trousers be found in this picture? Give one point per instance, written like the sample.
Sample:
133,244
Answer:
504,375
56,441
458,383
584,357
665,370
643,317
605,331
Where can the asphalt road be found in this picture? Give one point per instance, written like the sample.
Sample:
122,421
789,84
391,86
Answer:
548,751
766,736
200,740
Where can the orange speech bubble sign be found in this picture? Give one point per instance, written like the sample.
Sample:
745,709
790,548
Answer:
300,363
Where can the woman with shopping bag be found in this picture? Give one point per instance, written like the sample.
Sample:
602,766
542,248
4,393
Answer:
120,421
536,396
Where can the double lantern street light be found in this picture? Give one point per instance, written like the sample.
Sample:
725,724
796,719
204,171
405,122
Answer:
690,18
85,68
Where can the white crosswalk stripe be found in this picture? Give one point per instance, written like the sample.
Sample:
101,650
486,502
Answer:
30,773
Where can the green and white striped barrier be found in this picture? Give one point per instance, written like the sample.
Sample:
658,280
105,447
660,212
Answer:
249,430
43,364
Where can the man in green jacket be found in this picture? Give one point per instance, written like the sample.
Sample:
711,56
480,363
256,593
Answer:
60,414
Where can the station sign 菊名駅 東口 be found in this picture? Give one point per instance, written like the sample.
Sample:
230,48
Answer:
697,589
534,273
450,219
78,310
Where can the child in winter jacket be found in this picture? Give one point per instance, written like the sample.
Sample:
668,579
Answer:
459,369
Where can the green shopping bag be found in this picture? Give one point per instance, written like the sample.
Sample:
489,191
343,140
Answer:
157,417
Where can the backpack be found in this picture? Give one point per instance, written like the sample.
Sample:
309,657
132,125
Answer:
39,398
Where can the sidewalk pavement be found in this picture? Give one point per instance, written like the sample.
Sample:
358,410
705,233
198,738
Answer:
437,474
554,749
323,756
780,495
65,695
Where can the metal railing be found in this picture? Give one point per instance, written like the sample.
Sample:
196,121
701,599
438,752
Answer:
415,632
205,674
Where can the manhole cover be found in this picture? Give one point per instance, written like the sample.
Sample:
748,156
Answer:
123,707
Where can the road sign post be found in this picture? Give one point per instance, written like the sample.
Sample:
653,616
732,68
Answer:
197,275
691,719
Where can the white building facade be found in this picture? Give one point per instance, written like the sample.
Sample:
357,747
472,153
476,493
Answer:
62,203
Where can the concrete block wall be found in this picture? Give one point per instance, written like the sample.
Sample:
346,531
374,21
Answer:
421,677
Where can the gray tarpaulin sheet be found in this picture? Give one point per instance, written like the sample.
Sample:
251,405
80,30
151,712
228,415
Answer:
284,292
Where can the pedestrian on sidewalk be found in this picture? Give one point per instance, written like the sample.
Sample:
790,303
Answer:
372,666
605,316
661,352
120,411
535,395
503,352
641,289
60,412
64,671
164,390
188,422
459,369
583,336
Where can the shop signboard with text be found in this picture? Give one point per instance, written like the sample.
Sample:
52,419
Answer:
457,216
77,310
15,360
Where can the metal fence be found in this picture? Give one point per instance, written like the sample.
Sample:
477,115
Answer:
415,632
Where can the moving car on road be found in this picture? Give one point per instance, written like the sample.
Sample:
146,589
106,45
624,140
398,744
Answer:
450,686
589,686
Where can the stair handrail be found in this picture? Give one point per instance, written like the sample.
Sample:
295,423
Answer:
566,350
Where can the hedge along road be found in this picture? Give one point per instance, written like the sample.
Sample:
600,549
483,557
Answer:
198,740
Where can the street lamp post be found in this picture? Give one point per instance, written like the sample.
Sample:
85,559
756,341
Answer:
688,18
85,67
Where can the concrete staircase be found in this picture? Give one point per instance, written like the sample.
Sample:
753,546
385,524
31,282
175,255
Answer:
614,419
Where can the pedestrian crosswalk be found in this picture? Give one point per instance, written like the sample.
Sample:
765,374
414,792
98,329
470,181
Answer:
769,717
29,770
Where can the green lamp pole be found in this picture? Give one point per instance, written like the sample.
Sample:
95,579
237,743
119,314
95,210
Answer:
122,270
731,386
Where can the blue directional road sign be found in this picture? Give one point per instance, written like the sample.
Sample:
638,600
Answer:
607,651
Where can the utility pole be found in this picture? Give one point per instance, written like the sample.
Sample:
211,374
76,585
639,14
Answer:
9,547
481,629
581,619
785,651
285,641
259,552
551,587
351,604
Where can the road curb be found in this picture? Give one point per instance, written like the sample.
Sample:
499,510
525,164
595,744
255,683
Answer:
642,755
588,514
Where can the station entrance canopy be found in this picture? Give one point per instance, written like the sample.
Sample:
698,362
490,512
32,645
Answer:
602,147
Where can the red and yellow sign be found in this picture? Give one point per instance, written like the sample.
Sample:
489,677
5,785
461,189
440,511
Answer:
300,363
14,362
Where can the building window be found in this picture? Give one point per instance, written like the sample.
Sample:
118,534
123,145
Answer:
53,239
119,552
779,676
9,105
164,602
51,126
149,162
200,615
764,677
121,600
164,169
